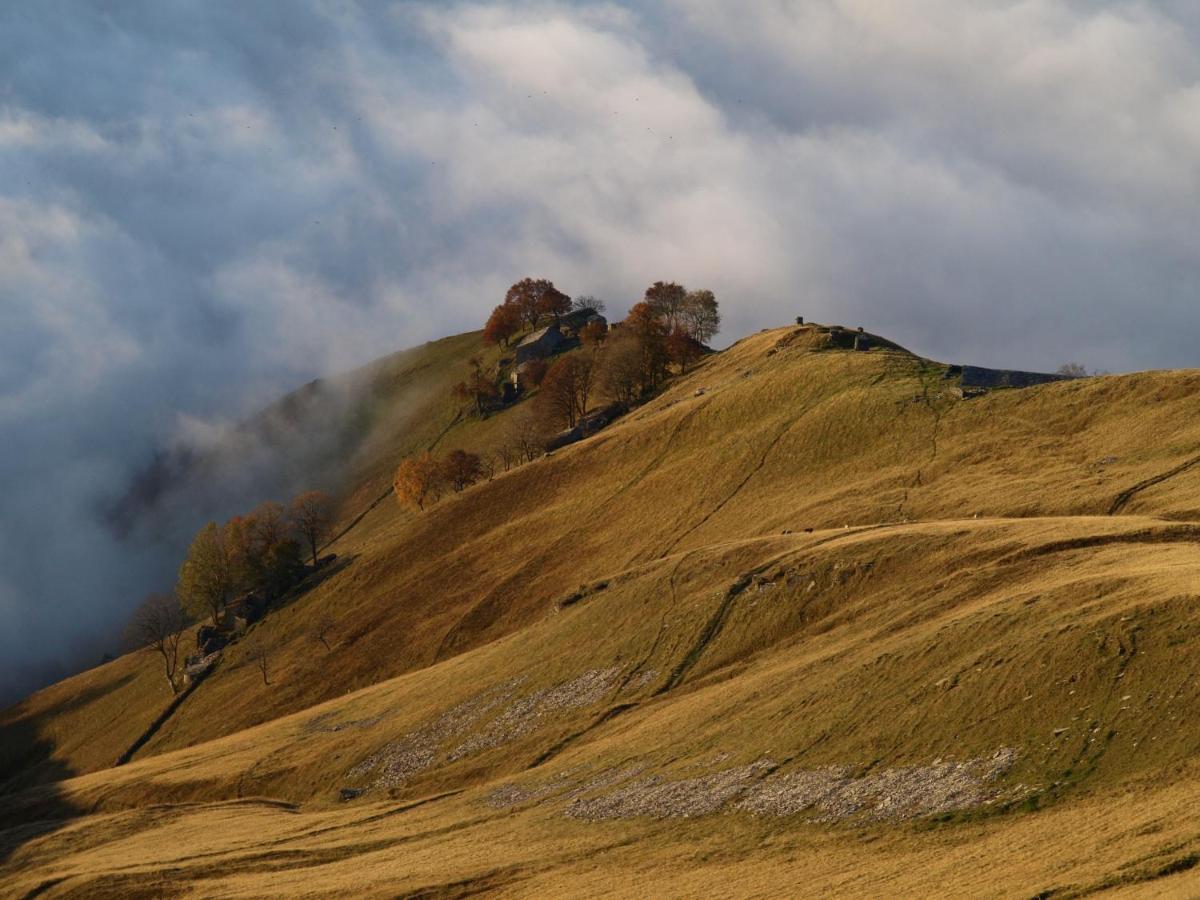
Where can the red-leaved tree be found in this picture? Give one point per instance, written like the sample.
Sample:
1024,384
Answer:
502,324
536,297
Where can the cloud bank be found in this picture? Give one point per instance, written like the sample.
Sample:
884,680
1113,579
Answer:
203,205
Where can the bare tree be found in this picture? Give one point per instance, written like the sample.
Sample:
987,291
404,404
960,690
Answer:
321,628
312,514
157,624
259,654
488,464
526,435
587,301
1072,370
507,455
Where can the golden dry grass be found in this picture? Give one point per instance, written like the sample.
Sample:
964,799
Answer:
962,589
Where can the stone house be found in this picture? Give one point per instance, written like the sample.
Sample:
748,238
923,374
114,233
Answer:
540,344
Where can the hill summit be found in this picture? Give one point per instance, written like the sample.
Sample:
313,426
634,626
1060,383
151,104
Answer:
820,616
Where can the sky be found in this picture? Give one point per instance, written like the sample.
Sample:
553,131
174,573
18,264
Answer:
203,205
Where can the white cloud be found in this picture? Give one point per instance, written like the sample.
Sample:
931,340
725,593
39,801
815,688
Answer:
60,336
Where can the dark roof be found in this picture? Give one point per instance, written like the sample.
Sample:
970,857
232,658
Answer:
579,317
534,336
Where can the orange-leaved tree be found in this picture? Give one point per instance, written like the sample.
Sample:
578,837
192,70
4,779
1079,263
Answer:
502,324
647,326
418,480
537,297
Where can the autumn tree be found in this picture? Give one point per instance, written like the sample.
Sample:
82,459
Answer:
667,300
478,388
502,324
647,326
586,372
206,578
263,555
311,515
593,333
534,371
157,624
701,316
282,566
553,302
567,388
682,348
418,480
461,469
695,313
240,544
620,376
534,298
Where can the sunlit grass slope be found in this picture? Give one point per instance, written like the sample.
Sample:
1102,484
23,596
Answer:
612,670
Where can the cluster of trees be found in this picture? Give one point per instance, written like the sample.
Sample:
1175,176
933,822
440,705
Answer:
259,552
671,326
262,552
1078,370
424,478
526,302
667,328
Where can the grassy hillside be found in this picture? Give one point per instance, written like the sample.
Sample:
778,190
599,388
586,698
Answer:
804,623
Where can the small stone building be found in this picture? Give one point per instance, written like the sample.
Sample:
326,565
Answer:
540,344
577,319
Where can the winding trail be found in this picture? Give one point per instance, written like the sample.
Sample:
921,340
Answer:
1122,499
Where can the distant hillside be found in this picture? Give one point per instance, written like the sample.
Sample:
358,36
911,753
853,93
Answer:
341,433
876,632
